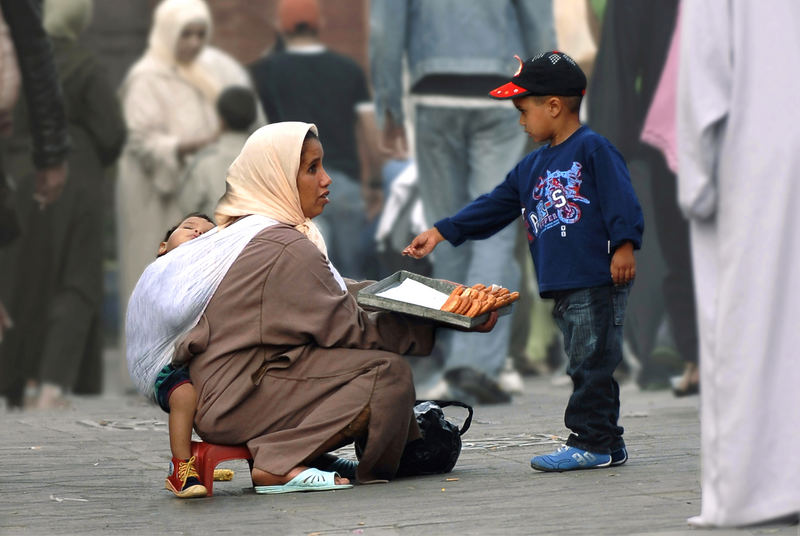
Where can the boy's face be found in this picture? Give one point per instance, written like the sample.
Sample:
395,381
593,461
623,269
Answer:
189,229
535,116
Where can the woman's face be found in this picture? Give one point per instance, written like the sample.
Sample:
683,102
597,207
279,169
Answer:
190,42
312,181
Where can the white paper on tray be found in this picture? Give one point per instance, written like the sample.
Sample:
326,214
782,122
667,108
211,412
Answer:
414,292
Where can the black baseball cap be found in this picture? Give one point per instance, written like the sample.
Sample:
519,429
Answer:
549,73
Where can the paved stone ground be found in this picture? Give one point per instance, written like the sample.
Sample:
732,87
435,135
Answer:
99,467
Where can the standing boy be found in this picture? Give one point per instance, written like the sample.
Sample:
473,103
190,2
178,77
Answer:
583,222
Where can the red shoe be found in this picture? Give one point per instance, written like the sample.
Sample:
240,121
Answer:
183,479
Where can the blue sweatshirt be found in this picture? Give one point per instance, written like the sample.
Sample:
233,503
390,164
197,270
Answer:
578,205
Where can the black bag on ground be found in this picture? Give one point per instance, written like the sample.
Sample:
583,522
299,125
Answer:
438,449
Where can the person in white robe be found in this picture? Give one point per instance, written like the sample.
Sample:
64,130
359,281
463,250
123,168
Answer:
168,100
229,72
739,154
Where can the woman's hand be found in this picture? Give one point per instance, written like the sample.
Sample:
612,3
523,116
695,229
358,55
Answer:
486,327
423,243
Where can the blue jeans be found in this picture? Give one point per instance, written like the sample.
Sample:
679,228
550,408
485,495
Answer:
462,153
591,320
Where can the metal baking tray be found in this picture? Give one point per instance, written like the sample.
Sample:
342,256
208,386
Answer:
368,296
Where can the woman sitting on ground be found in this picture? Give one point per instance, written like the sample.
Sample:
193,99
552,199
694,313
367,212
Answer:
283,358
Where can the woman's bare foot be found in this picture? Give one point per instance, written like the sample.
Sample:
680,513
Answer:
263,478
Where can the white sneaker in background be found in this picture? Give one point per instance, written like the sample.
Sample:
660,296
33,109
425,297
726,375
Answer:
510,380
439,391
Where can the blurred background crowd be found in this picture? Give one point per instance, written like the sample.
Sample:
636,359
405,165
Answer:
152,134
159,102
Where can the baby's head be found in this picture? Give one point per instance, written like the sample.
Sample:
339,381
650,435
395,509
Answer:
190,228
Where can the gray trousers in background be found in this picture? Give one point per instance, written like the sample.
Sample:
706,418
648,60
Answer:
462,153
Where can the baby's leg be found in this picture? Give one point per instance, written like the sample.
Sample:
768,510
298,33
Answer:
182,406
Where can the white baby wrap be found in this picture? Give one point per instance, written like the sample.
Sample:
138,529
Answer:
173,292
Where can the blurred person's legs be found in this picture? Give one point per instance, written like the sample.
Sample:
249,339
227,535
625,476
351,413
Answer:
73,310
463,153
25,287
57,289
518,362
678,285
646,301
90,379
493,260
521,319
342,224
545,348
443,167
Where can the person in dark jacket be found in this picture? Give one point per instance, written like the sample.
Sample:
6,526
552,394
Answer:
40,82
630,57
48,121
57,266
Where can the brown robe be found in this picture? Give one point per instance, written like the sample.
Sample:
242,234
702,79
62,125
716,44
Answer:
283,360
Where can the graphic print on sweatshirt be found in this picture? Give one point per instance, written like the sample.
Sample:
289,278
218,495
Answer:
557,195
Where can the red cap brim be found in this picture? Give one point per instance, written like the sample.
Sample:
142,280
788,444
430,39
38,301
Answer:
508,91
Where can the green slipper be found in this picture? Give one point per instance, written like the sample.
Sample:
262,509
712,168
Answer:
309,480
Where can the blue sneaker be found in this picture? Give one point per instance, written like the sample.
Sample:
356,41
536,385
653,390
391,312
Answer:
568,459
618,457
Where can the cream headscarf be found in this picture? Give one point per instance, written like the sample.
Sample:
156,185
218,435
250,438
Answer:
67,18
169,20
263,179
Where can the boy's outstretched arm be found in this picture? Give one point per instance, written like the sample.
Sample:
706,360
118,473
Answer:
423,243
623,264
